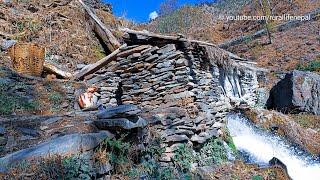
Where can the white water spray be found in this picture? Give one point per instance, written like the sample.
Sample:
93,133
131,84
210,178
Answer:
263,146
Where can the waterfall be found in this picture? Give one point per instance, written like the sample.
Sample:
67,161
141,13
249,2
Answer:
262,146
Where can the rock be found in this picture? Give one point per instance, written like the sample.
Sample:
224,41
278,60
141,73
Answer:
167,48
32,8
3,141
176,138
166,157
2,130
277,163
11,142
65,145
28,131
152,58
204,172
181,62
80,66
27,137
298,92
51,121
104,168
6,44
204,136
119,111
120,122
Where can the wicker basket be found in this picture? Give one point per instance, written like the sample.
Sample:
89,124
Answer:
27,58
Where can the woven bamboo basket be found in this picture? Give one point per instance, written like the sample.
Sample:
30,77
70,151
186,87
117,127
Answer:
27,58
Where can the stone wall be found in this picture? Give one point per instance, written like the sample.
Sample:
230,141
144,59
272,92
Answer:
187,89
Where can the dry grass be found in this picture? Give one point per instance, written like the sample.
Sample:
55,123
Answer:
300,129
63,30
240,170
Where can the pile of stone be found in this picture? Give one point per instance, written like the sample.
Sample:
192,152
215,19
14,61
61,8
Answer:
187,89
108,83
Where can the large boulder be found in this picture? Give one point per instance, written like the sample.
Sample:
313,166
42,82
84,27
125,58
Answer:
299,91
63,146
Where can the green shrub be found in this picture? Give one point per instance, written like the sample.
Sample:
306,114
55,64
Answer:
149,164
76,167
311,66
228,139
10,103
183,158
257,177
55,167
213,152
117,154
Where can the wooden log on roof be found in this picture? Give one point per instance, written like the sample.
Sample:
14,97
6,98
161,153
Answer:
145,36
100,28
98,65
51,68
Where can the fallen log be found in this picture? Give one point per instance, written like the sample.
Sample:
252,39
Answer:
51,68
96,66
100,28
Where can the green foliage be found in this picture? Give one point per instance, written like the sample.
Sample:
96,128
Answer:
213,152
149,165
27,24
183,158
99,52
55,167
10,102
56,99
228,139
257,177
118,152
311,66
76,167
73,167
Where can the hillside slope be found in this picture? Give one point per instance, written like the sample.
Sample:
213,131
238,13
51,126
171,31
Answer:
58,26
297,45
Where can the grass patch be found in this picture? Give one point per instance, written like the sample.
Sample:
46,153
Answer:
55,167
55,99
213,152
307,121
313,66
10,103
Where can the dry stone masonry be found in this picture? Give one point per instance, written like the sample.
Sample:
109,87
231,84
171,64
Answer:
187,87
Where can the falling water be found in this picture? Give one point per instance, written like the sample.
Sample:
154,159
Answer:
261,147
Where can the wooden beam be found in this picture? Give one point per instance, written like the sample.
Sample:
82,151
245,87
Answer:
100,28
179,39
133,50
98,65
51,68
165,37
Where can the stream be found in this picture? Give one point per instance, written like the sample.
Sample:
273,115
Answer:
260,146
